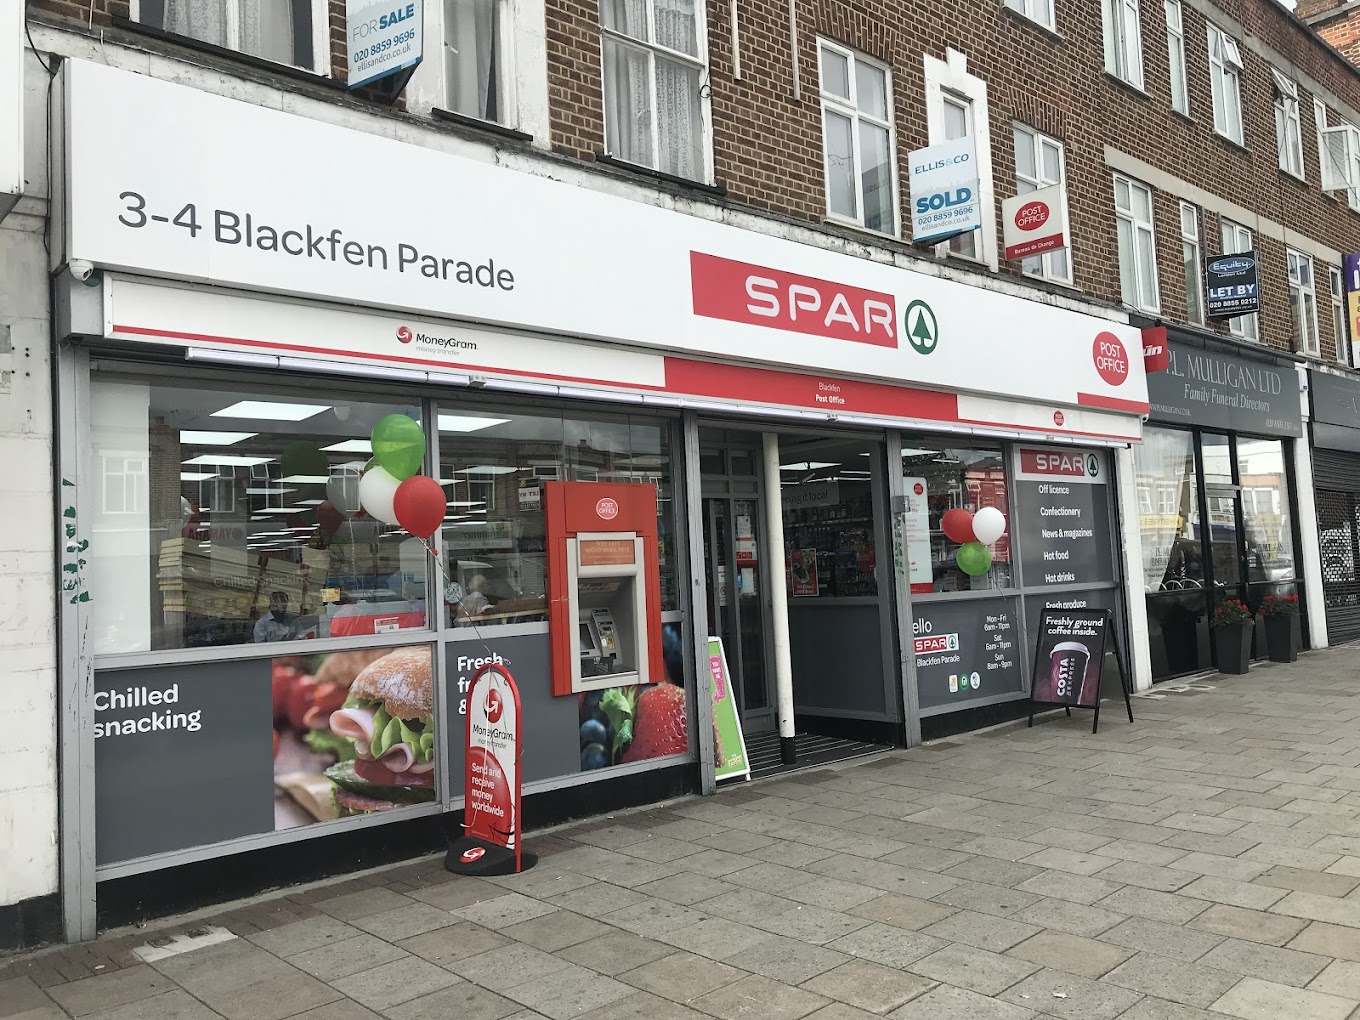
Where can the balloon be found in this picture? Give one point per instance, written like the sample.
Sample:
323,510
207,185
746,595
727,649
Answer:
342,489
420,505
304,459
377,489
989,524
974,559
330,519
399,446
957,525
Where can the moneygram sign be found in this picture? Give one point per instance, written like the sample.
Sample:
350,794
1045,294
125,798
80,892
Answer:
491,791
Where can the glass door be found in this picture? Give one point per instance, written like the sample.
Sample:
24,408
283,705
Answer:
736,603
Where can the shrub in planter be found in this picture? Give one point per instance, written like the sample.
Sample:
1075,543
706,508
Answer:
1281,613
1232,636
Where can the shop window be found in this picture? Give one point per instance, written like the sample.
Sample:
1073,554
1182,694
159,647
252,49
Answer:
967,478
654,67
1225,71
1175,47
1288,131
1237,239
1123,40
828,500
1191,260
277,30
860,153
279,551
1039,163
476,64
1303,302
1268,527
1036,10
1339,332
1165,464
493,466
1137,243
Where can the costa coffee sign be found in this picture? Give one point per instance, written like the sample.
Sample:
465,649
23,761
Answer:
1034,223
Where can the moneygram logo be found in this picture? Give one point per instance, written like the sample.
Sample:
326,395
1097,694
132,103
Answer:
405,335
494,706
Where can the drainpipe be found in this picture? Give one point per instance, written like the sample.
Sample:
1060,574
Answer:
779,597
793,46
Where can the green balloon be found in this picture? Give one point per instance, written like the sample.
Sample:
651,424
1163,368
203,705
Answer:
304,459
399,446
974,559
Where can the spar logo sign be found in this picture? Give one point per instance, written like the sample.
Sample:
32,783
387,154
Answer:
921,327
1046,464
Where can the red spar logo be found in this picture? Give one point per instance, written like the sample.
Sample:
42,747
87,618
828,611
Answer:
1031,216
404,334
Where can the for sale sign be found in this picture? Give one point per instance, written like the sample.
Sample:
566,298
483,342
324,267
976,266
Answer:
491,789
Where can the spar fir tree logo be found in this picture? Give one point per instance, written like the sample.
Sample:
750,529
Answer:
922,328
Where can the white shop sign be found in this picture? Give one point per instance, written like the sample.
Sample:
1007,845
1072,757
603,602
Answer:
1034,223
165,180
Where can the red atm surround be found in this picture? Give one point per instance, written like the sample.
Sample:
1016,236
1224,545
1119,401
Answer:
574,508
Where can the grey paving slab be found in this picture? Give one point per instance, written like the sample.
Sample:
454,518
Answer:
974,969
176,1004
1301,880
681,977
1233,893
1271,963
1254,999
686,887
615,952
569,993
1340,978
457,942
1153,1008
869,986
1155,906
22,995
790,961
950,1003
716,937
273,999
464,1000
987,899
1145,876
301,936
1076,888
1141,853
1070,953
903,911
1187,983
1072,918
97,993
888,945
1328,940
1063,994
759,997
644,1006
983,931
390,984
1252,925
352,906
501,969
403,922
596,899
230,965
345,957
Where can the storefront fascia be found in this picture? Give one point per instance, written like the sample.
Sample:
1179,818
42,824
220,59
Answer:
164,221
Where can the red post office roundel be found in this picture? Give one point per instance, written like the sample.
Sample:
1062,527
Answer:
1111,358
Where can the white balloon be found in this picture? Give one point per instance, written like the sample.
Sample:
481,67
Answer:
377,490
989,524
342,489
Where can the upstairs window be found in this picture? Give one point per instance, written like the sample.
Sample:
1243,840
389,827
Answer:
1039,164
858,138
1123,40
654,68
1191,258
1036,10
1338,156
1338,291
1225,74
1288,133
1137,243
1175,48
277,30
958,123
1303,302
1237,240
475,60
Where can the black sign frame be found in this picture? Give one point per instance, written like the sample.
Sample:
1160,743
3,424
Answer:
1104,619
1231,307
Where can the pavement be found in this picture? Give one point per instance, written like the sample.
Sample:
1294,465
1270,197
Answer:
1202,862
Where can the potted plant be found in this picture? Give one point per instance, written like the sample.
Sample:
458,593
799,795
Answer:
1232,636
1281,613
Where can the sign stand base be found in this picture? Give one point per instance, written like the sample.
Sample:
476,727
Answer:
472,856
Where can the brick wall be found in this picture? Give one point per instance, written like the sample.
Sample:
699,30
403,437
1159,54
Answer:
768,147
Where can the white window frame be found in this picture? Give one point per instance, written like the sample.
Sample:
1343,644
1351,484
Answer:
1038,11
128,472
1310,343
505,69
950,76
1225,77
1287,117
321,33
1338,156
1192,253
1142,232
1041,266
1123,40
653,49
1236,239
1340,326
1175,44
851,111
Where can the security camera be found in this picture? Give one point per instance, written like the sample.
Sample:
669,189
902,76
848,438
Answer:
81,270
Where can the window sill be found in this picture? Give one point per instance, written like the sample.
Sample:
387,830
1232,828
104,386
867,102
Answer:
1291,175
1185,116
1050,281
480,126
1143,309
832,220
226,53
716,190
1228,139
1128,86
1029,22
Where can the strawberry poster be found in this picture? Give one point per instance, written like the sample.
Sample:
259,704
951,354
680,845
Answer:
729,746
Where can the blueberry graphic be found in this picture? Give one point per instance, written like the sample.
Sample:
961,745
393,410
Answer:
594,757
593,732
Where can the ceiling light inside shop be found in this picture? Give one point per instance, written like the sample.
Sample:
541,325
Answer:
266,490
808,465
475,502
351,446
271,411
489,469
917,453
309,502
306,479
196,476
214,438
227,460
467,423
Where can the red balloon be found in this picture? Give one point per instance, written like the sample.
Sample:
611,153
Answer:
420,505
957,525
330,519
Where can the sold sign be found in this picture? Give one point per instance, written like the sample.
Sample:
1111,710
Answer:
1111,359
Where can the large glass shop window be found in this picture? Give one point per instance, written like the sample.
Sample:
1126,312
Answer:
951,478
1268,527
493,466
224,517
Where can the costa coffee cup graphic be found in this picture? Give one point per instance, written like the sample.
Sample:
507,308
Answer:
1067,671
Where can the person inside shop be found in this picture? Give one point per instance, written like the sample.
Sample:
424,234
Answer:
1186,564
277,624
474,601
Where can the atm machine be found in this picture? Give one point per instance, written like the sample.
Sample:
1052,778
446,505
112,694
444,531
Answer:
604,582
